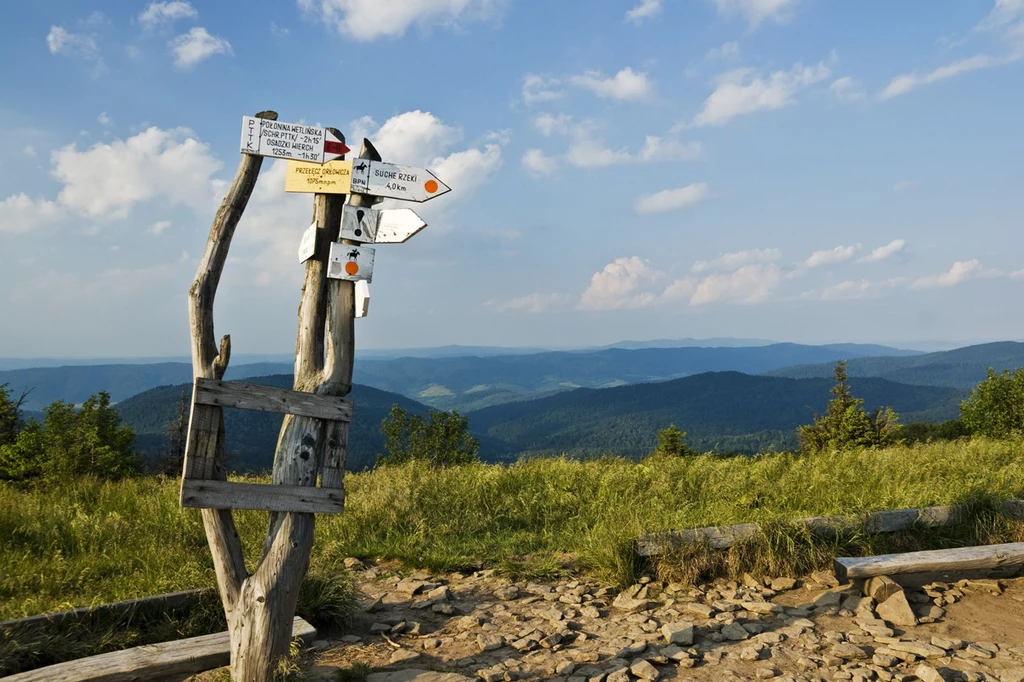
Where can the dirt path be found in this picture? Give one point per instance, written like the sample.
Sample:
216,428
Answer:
483,627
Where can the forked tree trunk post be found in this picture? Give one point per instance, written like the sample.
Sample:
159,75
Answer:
260,606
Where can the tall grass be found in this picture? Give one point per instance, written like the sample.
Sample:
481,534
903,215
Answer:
93,542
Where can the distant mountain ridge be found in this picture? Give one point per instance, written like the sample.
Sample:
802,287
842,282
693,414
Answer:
960,368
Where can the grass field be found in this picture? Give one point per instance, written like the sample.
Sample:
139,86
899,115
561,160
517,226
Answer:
93,542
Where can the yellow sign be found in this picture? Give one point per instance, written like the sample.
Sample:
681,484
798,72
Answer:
333,177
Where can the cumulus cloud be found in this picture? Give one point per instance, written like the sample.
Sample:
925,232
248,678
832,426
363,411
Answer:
19,213
846,90
538,163
589,150
757,11
158,227
159,13
645,10
108,179
746,285
669,149
620,285
883,252
960,272
538,88
737,259
850,289
623,86
549,124
197,45
62,42
727,52
671,199
371,19
743,91
839,254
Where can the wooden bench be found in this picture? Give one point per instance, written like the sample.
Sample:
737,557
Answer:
938,560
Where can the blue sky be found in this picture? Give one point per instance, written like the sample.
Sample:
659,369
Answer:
800,170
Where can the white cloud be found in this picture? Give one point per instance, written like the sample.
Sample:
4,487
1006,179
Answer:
538,163
960,272
840,254
756,11
749,284
60,41
671,149
19,213
737,259
371,19
193,47
537,88
846,89
619,285
534,303
590,152
646,9
467,170
883,252
104,120
108,179
158,13
727,52
413,138
29,150
742,91
671,199
548,124
623,86
900,85
850,289
158,227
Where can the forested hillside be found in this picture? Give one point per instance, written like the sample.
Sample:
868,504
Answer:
721,411
961,368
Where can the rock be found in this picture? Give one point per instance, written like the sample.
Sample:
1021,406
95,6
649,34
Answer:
624,603
353,564
884,660
766,673
413,675
848,652
507,593
488,642
410,586
825,578
403,656
735,632
380,627
630,650
918,649
875,627
445,609
780,584
698,609
495,674
565,668
678,633
1012,675
551,640
948,644
644,670
590,612
929,613
881,588
762,607
750,653
618,675
433,643
926,673
975,651
525,644
896,610
829,598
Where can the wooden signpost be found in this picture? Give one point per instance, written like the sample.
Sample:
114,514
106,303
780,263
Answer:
309,461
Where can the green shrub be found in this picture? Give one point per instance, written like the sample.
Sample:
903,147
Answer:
995,408
846,425
440,438
672,443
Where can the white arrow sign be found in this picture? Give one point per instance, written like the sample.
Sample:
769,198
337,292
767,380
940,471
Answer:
379,226
396,182
264,137
350,262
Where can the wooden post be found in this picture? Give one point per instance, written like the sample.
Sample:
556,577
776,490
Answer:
260,606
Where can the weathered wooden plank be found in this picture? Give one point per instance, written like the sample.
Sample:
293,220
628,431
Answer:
960,559
890,521
151,661
268,399
204,444
332,474
172,601
278,498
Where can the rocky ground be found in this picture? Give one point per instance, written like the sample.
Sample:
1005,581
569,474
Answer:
454,627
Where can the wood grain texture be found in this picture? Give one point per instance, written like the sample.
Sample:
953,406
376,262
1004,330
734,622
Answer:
268,399
170,602
279,498
890,521
149,662
961,559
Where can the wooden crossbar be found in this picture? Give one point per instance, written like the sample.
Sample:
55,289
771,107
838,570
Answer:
203,483
960,559
269,399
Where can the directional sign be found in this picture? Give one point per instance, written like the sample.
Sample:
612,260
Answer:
362,298
379,226
396,182
307,247
350,262
332,177
264,137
